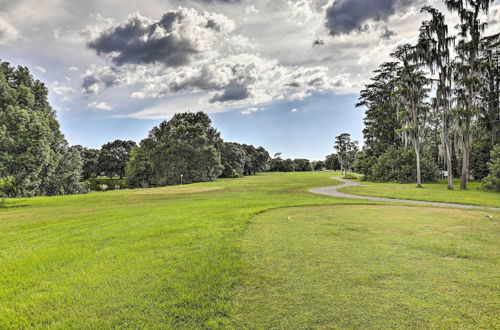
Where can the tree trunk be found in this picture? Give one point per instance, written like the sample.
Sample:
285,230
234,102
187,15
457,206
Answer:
417,152
448,155
465,166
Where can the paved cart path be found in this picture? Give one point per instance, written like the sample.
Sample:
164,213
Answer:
333,191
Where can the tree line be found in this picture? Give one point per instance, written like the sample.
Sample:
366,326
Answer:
36,160
436,105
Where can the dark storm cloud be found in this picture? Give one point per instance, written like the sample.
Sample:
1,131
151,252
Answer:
232,92
142,41
345,16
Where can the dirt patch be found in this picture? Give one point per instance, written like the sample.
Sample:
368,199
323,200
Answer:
176,190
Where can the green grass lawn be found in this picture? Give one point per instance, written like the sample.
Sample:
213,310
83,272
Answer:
368,267
178,257
434,192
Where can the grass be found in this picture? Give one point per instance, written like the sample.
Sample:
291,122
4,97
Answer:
165,257
433,192
177,257
370,267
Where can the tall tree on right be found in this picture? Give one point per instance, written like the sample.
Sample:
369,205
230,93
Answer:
434,48
467,72
412,92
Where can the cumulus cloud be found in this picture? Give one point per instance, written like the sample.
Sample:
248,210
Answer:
190,52
7,31
173,40
103,106
345,16
64,92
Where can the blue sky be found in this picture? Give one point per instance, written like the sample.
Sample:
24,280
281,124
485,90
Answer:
307,132
114,72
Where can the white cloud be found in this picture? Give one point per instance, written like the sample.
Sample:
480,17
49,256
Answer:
41,69
220,64
294,110
73,68
8,32
251,110
64,92
103,106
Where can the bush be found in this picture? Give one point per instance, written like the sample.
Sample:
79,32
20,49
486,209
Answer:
351,176
492,181
399,165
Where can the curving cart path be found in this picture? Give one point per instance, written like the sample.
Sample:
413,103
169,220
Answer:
333,191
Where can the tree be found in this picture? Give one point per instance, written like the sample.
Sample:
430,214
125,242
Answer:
113,157
381,111
233,158
467,72
412,91
257,159
187,144
318,165
90,161
332,162
302,165
346,151
32,148
434,49
492,181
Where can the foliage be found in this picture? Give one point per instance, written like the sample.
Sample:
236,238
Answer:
398,165
257,160
233,157
32,148
492,181
113,157
346,151
281,165
302,165
318,165
332,162
185,145
90,168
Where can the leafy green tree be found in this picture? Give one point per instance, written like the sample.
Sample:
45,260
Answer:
113,157
32,148
412,92
139,168
434,48
318,165
492,181
187,144
302,165
467,72
257,159
346,151
233,158
332,162
90,161
398,165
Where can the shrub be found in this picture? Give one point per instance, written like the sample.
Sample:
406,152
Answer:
399,165
492,181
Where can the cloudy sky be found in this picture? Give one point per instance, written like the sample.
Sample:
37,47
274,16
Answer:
284,74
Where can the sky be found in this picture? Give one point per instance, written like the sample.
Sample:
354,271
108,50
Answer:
282,74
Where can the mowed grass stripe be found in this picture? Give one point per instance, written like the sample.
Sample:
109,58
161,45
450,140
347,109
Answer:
125,259
370,267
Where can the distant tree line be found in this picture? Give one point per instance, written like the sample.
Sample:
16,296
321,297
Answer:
436,106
